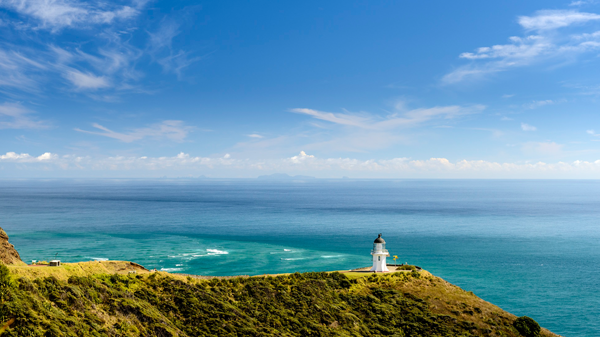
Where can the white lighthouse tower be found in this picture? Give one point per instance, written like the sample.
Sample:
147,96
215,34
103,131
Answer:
379,254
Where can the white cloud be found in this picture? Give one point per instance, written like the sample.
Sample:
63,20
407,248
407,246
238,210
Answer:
591,132
58,14
552,19
520,48
537,104
26,158
400,118
303,163
86,81
301,157
254,135
15,116
527,127
171,129
548,43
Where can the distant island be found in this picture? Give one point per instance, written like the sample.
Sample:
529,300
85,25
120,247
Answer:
284,177
118,298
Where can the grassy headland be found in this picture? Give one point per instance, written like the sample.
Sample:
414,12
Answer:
109,299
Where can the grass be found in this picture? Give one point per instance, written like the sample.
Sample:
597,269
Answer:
104,299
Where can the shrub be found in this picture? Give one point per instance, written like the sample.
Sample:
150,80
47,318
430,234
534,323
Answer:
527,326
6,282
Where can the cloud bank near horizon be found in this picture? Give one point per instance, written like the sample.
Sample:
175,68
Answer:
48,163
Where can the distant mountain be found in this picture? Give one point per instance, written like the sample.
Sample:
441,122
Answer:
284,177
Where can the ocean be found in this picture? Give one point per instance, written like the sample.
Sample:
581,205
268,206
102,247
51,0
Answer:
531,247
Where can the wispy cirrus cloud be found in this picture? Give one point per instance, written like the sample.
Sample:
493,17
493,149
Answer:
57,14
547,42
362,131
20,71
110,67
86,80
543,148
15,116
537,104
579,3
170,129
160,47
399,118
101,61
28,70
106,61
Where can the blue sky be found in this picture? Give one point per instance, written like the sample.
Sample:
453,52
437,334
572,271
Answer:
382,89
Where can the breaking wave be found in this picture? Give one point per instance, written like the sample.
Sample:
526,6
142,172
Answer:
171,269
216,252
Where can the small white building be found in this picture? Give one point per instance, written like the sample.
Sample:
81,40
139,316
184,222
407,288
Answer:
379,254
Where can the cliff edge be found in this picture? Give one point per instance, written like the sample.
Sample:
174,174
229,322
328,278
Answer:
8,253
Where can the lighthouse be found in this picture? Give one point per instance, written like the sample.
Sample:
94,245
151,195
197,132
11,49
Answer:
379,254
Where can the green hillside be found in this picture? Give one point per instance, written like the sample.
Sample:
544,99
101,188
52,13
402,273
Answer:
70,301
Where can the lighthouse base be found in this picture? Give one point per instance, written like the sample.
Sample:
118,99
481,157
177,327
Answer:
379,265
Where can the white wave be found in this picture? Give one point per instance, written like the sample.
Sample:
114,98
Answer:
216,252
171,269
293,258
191,256
331,256
98,258
287,250
178,265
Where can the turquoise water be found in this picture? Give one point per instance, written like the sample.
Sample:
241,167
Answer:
530,247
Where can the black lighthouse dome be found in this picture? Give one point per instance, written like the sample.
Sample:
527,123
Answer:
379,239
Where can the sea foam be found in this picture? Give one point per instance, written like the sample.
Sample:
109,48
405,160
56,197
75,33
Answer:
216,252
171,269
331,256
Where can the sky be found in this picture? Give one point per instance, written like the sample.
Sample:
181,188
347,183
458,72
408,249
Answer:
240,89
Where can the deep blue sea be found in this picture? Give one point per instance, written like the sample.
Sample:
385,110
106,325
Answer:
531,247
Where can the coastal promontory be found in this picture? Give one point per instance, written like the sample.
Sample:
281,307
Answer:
113,298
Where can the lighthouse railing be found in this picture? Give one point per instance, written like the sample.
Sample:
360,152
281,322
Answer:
379,251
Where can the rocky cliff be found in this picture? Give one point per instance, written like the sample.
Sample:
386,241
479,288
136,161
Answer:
8,253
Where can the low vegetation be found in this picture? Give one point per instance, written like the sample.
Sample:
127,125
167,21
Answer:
527,326
408,303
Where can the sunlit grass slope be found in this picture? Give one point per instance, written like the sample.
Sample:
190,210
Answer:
108,299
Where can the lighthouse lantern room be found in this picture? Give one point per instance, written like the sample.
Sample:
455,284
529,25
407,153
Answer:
379,254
